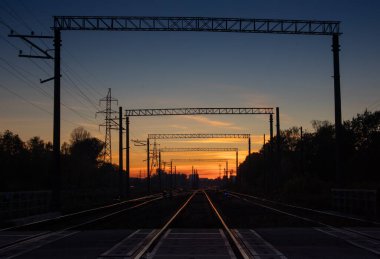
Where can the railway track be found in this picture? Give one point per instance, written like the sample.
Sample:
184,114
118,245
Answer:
349,229
47,231
199,224
151,246
330,218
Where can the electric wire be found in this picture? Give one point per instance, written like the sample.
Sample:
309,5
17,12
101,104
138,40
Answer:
19,75
81,93
12,13
25,100
92,90
16,73
67,66
33,104
84,68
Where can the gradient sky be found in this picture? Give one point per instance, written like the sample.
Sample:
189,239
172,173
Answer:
189,69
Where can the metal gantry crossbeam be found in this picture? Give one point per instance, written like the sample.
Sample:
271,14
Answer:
209,24
200,160
198,149
197,135
196,111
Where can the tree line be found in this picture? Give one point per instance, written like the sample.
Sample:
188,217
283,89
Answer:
27,166
303,169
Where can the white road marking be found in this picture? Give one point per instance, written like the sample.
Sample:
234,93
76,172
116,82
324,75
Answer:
32,244
353,238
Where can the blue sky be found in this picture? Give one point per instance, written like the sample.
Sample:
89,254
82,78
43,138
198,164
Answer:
186,69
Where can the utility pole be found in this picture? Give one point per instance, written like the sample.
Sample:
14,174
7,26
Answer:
249,145
43,54
301,149
175,176
121,180
237,159
338,107
227,168
271,129
278,142
264,165
127,163
159,170
148,163
171,175
57,119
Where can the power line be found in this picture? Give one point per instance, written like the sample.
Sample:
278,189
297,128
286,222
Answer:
11,12
23,78
80,80
77,113
30,11
25,100
82,94
96,91
27,81
35,105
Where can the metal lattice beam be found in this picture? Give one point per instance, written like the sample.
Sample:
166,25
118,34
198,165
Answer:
200,160
198,149
197,111
201,135
209,24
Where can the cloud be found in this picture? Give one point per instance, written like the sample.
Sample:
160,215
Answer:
214,123
175,126
207,121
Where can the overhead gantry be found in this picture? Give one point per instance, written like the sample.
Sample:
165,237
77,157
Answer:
200,149
194,111
190,24
194,136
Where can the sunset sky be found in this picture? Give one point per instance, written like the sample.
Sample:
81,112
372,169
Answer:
188,69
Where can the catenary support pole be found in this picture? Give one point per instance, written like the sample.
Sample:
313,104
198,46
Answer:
56,190
278,142
271,129
249,145
148,164
171,175
338,112
237,167
301,150
159,170
175,176
227,169
121,180
127,161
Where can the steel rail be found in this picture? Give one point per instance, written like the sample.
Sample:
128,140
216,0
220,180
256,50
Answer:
80,212
147,246
307,209
328,226
236,241
51,233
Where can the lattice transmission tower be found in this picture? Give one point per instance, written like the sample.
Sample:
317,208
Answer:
109,124
154,163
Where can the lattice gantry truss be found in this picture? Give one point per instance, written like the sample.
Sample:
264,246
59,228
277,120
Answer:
210,24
